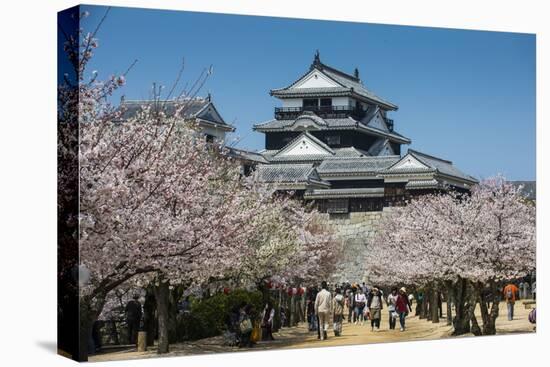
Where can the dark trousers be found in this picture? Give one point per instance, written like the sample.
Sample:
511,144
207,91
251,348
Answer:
133,327
402,317
375,323
393,321
351,314
245,341
510,306
267,333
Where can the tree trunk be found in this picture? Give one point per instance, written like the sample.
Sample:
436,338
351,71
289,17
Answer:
429,306
149,319
470,313
288,310
85,330
424,308
162,295
434,308
293,312
461,321
476,330
90,309
488,316
492,330
173,298
277,316
449,288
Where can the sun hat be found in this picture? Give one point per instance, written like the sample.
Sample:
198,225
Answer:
403,290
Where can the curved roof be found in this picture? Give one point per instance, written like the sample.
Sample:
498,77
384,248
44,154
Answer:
347,123
347,85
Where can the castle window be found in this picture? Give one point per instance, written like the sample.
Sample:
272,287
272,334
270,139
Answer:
326,102
310,103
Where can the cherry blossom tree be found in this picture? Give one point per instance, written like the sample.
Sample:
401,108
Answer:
289,244
466,242
157,203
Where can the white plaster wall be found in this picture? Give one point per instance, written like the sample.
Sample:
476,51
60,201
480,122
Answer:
292,102
341,101
219,134
316,80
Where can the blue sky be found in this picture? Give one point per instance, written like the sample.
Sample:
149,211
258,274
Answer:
466,96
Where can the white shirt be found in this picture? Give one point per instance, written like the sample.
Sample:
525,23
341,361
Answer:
360,297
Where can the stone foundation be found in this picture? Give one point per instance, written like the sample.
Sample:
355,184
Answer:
355,230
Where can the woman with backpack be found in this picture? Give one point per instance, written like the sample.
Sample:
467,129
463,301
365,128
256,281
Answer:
338,312
374,304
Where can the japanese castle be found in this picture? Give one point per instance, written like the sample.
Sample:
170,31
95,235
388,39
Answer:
333,142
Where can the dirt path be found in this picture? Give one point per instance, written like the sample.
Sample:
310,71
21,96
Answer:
300,337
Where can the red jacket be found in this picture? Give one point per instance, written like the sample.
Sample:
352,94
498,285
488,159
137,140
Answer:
513,289
402,303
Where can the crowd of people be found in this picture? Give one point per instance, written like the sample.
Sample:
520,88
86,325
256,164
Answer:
356,303
359,303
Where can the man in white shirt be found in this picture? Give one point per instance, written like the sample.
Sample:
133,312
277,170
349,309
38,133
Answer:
323,309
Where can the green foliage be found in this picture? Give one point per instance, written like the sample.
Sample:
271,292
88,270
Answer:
208,316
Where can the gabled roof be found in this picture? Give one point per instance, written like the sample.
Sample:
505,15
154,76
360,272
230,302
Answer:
415,162
305,144
346,84
202,109
376,120
442,166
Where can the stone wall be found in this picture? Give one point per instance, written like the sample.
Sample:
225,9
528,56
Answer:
355,230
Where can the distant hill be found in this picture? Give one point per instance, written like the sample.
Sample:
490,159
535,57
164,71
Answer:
529,188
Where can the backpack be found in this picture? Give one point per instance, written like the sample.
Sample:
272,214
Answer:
245,326
533,316
509,294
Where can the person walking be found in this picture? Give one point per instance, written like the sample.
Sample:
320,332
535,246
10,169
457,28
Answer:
534,290
338,312
360,303
391,301
510,296
350,304
323,306
310,310
268,315
133,318
374,305
403,306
